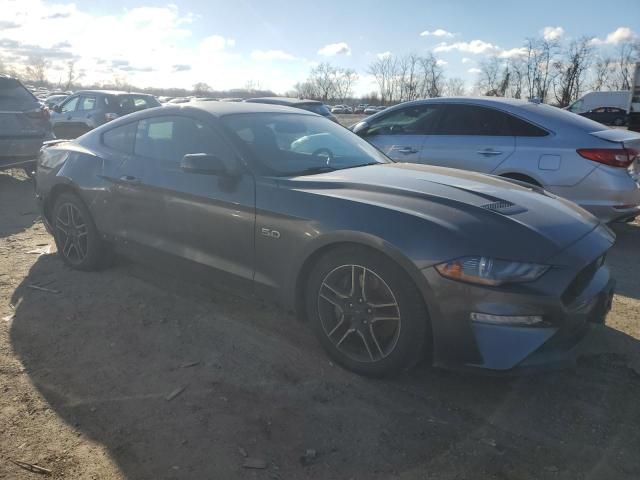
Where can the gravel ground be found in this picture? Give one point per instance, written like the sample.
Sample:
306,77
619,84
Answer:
138,373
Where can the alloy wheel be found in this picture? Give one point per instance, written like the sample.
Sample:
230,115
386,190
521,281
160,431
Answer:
359,313
72,232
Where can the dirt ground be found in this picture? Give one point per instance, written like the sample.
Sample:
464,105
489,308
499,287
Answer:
134,373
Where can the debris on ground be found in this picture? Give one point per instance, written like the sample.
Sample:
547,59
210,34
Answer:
243,452
175,393
43,289
32,467
190,364
254,463
310,456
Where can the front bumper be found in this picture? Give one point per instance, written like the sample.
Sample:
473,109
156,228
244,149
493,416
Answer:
567,311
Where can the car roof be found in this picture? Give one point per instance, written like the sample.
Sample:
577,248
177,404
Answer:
111,92
283,101
220,109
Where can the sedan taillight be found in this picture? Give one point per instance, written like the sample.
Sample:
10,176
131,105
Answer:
615,157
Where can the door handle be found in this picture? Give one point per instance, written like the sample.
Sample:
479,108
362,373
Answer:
488,152
406,150
130,179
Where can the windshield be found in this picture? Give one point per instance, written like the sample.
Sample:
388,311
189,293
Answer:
284,144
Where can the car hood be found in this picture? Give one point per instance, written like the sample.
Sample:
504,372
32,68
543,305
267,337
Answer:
490,212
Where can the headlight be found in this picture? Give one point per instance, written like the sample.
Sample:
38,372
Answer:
490,271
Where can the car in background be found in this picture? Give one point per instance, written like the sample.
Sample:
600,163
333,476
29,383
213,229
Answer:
204,99
24,125
344,109
178,100
87,109
389,263
232,99
371,109
53,100
593,100
304,104
360,108
569,155
608,116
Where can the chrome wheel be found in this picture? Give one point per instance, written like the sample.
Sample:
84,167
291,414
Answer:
72,232
359,313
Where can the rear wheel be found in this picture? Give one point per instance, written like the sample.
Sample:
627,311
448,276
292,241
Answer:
366,312
618,122
77,238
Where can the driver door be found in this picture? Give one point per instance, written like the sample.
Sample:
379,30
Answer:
402,133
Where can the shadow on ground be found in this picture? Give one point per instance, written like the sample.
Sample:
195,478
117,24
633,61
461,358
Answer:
17,203
110,349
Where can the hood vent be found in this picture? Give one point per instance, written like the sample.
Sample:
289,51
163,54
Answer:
504,207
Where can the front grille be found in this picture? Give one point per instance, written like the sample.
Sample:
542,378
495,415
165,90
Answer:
577,286
503,206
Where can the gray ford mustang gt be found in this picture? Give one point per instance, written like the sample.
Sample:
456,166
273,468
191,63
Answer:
389,262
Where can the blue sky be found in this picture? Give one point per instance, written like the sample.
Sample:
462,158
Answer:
275,43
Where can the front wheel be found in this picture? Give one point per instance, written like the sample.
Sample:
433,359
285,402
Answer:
77,238
367,312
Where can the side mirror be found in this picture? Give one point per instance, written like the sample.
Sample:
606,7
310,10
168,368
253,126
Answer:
360,128
205,164
57,108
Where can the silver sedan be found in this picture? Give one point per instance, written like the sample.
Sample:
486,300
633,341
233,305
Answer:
595,166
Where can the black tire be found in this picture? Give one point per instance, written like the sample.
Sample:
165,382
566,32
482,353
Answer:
396,350
618,122
81,247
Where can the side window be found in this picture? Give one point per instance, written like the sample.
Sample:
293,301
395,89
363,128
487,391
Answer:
70,105
168,139
599,110
415,120
521,128
473,120
87,103
121,138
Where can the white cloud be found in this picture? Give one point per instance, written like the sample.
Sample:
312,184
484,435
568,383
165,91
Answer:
383,55
513,53
552,33
466,60
620,34
441,62
144,46
474,46
437,33
474,70
333,49
270,55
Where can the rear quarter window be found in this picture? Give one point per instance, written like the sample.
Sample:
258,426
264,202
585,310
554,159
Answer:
13,96
555,115
121,139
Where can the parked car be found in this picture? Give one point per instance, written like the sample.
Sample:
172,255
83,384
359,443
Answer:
304,104
204,99
607,115
24,125
370,110
360,108
571,156
593,100
178,100
388,262
341,109
53,100
88,109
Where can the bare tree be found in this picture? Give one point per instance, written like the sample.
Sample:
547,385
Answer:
384,70
571,69
626,56
322,77
489,76
36,69
538,71
432,76
602,71
343,83
72,75
306,89
454,87
201,88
